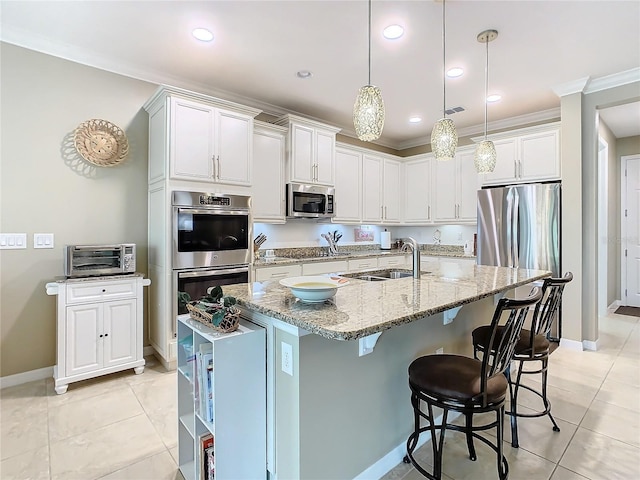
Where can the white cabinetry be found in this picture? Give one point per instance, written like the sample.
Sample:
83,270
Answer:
311,150
99,327
277,272
237,384
269,148
319,268
380,190
455,188
526,155
418,190
348,202
389,261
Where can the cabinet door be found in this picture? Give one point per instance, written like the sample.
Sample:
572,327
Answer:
275,273
444,191
371,189
467,185
191,149
302,168
325,157
119,332
234,147
348,187
83,346
417,204
391,182
539,156
268,200
505,171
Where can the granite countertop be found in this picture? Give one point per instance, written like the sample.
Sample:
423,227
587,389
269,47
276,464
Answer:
363,308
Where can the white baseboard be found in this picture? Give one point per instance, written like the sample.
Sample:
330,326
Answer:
614,306
26,377
591,345
571,344
148,350
395,456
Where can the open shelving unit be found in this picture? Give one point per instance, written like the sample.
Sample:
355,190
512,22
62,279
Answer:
237,386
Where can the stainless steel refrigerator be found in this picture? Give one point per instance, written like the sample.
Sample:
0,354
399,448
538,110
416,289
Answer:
519,226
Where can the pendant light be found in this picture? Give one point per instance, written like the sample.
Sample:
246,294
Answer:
368,109
444,138
485,156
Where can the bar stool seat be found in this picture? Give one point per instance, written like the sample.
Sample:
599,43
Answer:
468,386
533,345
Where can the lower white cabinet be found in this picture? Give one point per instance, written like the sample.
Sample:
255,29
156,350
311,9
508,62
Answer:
99,327
276,272
357,264
390,261
222,421
319,268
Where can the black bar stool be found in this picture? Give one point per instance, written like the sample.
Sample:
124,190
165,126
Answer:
533,346
468,386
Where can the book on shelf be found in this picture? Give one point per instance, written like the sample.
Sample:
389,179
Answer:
205,381
210,460
206,443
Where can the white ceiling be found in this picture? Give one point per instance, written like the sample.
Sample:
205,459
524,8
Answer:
259,46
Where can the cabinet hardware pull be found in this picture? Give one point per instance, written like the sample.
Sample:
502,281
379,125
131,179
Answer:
385,212
213,162
428,212
106,334
104,290
381,212
100,336
219,168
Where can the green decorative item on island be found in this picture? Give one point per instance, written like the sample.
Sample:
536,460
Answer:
216,311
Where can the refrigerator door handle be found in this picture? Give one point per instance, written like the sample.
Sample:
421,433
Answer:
514,231
509,222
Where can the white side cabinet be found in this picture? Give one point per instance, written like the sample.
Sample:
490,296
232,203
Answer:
380,190
311,150
269,149
455,188
418,187
225,402
99,327
349,185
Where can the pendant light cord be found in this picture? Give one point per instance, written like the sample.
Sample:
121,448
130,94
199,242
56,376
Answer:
486,85
369,42
444,67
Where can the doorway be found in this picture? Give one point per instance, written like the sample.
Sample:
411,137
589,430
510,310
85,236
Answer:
630,222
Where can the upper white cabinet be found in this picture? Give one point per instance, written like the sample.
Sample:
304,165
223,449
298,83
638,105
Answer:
455,188
268,192
310,150
348,201
199,138
380,190
418,176
526,155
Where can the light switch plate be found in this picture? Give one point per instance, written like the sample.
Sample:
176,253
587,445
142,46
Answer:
43,240
13,241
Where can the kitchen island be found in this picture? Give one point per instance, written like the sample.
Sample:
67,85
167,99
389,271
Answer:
337,391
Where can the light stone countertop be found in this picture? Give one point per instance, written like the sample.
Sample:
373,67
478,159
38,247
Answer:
363,308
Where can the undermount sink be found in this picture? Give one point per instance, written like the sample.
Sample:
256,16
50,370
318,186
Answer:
382,275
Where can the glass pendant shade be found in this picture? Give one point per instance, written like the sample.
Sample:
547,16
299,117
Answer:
485,157
444,139
368,113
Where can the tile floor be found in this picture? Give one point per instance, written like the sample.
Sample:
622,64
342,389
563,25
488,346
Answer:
123,426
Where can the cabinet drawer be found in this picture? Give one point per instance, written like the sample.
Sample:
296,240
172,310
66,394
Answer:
394,261
362,264
97,291
319,268
275,273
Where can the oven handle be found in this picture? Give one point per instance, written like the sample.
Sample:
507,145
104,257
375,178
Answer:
98,247
198,211
208,273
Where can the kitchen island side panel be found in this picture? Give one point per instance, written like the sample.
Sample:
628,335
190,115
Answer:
351,411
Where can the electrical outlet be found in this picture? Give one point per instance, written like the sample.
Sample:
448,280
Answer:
287,358
440,351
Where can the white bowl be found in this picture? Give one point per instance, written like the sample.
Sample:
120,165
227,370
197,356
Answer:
314,288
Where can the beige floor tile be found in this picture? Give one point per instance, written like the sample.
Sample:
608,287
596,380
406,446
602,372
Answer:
76,417
599,457
614,421
562,473
157,467
23,400
174,453
565,405
152,370
32,465
399,472
20,433
85,389
108,449
413,474
622,394
627,370
159,400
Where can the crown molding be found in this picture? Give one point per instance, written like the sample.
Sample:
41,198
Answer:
614,80
569,88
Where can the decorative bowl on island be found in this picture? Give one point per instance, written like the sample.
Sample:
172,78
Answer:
314,288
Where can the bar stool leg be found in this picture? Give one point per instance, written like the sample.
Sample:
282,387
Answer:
545,400
513,390
503,466
469,433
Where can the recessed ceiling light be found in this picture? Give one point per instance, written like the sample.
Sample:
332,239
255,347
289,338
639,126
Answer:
202,34
393,32
455,72
415,119
494,98
303,74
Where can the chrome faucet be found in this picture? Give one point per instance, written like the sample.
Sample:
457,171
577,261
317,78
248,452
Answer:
412,244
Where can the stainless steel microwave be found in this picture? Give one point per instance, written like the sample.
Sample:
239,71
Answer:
96,260
310,201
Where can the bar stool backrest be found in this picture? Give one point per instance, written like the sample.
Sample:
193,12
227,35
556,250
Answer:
546,310
502,346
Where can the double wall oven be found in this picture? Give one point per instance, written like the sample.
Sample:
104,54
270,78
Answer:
211,243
